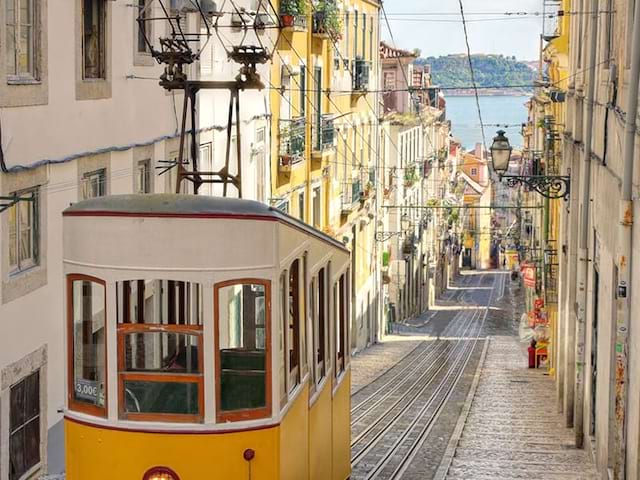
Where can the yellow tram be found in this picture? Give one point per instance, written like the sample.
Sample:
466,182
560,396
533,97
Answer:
207,338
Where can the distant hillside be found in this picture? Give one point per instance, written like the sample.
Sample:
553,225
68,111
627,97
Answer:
490,70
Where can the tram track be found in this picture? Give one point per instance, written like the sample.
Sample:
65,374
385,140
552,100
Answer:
408,396
387,452
410,368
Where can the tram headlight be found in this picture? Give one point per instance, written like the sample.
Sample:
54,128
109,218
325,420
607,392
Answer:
160,473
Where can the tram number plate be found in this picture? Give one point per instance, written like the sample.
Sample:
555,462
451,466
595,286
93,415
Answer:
86,389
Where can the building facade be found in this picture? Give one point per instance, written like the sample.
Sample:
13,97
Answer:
74,126
584,125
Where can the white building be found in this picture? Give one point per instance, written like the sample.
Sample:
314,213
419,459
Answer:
81,116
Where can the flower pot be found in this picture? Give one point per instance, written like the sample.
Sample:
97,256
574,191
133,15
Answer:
287,20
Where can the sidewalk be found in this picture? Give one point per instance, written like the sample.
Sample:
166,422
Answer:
513,429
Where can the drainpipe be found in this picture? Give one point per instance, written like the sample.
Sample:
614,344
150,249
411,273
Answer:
625,238
583,245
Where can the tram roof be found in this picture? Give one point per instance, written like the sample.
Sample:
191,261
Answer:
188,206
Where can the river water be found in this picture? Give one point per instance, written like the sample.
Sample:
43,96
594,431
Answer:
463,113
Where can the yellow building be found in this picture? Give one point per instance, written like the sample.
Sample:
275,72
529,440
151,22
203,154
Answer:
543,156
324,131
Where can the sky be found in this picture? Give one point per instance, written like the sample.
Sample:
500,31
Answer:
509,36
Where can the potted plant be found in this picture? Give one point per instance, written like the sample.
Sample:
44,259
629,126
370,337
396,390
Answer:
289,10
327,19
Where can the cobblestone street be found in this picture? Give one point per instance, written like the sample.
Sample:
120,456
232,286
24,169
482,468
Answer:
513,429
450,396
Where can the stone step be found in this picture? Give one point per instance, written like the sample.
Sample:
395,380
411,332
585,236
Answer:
492,453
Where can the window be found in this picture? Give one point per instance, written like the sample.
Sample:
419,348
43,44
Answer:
355,35
303,89
160,350
317,100
24,426
371,57
93,39
293,324
317,211
609,31
474,171
301,206
347,25
143,175
23,232
94,184
86,312
340,295
143,7
318,302
21,41
284,295
364,34
243,375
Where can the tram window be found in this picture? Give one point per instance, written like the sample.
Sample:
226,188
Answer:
242,350
322,325
293,330
87,348
284,294
340,293
160,350
166,302
302,317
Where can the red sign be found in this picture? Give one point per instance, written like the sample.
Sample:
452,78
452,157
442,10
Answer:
528,275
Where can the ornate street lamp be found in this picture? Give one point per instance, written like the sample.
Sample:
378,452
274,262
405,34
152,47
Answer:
549,186
501,153
405,226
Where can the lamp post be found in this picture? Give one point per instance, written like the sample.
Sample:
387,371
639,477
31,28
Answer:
549,186
405,226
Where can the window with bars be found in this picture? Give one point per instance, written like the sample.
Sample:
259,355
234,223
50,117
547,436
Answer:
93,39
143,26
94,184
143,176
21,41
23,232
24,427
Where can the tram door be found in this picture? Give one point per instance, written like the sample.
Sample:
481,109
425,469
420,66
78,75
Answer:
594,348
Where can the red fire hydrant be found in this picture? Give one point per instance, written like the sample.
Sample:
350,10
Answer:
532,353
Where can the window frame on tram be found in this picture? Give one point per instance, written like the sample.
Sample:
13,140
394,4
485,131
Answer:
341,322
75,404
243,413
180,314
318,307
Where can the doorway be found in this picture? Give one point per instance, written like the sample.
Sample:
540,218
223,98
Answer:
594,348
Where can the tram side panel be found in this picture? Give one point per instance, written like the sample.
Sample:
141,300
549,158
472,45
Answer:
341,426
320,432
95,453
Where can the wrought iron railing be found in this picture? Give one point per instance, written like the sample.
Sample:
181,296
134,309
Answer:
351,194
361,69
292,141
323,133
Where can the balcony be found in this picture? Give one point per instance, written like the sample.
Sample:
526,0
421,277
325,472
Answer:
410,176
292,143
326,20
293,15
323,133
351,195
361,70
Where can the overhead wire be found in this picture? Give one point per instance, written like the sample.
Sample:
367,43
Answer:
473,77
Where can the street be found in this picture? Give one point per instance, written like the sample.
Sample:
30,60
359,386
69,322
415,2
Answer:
417,420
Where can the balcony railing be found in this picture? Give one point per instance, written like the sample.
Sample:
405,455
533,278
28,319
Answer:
323,133
326,20
292,142
361,69
351,195
410,175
